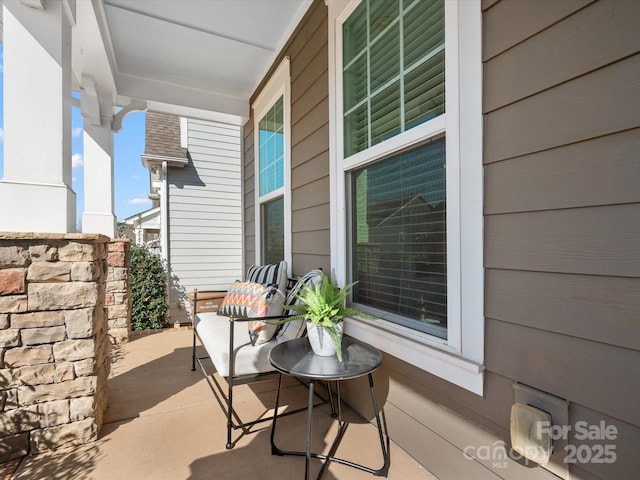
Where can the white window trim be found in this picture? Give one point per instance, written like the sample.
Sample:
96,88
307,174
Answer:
184,132
460,358
279,85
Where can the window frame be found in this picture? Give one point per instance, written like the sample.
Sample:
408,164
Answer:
279,85
459,358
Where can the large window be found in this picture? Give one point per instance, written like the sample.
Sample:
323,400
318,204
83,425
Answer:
407,177
399,250
393,71
272,132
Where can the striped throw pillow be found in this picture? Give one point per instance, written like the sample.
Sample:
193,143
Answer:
269,275
297,328
266,274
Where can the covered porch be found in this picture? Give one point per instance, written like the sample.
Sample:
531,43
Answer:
163,423
538,147
108,59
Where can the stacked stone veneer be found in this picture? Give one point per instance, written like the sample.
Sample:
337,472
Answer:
118,294
54,344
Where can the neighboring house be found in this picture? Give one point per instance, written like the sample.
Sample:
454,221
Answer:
199,219
144,228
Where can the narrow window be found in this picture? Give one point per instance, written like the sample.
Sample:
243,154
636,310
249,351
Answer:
272,132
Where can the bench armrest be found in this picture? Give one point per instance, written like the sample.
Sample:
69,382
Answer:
249,319
202,301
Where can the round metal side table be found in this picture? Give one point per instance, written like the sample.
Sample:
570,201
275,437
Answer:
296,358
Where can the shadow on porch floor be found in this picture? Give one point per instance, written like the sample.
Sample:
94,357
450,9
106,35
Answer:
162,422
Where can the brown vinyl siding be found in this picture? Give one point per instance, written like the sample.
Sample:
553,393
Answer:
562,240
589,42
307,50
570,176
514,21
589,106
596,240
613,301
248,205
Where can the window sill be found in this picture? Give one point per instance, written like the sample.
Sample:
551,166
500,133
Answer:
414,348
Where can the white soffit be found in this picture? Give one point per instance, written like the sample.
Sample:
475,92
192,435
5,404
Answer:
203,54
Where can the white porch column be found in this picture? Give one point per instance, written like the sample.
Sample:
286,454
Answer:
97,110
35,192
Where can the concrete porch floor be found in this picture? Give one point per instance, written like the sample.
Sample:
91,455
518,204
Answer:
163,422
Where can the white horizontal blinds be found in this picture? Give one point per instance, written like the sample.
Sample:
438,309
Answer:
355,81
271,154
393,69
399,228
423,61
384,71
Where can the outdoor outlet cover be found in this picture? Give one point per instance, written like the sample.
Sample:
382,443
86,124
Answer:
530,433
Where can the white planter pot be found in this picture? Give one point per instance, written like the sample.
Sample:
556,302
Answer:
320,339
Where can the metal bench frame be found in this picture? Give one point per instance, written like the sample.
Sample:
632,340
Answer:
225,396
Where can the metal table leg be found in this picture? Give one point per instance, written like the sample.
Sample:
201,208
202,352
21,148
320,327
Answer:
308,454
309,429
275,450
385,447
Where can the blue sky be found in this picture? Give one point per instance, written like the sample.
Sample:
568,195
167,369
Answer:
131,179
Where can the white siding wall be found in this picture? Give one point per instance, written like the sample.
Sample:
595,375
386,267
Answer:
205,213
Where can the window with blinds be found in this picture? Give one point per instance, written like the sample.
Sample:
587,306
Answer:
399,252
394,80
393,69
407,202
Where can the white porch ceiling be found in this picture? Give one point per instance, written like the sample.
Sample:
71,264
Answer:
201,58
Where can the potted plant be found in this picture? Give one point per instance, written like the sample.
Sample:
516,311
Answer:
323,307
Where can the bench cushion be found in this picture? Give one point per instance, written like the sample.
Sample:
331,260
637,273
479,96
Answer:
213,330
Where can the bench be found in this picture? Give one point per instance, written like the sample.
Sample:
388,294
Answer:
229,344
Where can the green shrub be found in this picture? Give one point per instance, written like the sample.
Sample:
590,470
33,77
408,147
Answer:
148,289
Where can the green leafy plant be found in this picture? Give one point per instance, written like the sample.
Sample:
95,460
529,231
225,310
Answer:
148,279
324,306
